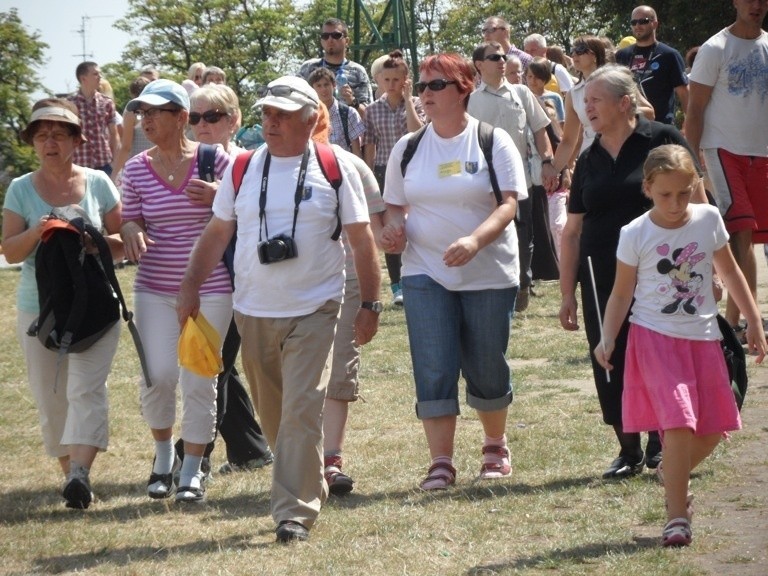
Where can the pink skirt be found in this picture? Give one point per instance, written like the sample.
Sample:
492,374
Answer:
676,383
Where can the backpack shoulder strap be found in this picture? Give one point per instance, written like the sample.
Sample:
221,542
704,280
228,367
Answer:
206,162
239,168
485,138
105,257
344,116
329,165
410,148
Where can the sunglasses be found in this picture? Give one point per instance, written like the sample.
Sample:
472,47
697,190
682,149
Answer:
152,112
210,116
492,29
434,85
640,21
496,57
580,49
334,35
281,92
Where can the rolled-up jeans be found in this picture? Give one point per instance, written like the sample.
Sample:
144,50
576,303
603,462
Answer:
455,333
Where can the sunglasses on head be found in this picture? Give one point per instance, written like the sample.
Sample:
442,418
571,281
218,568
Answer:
640,21
281,92
334,35
495,57
580,49
434,85
210,116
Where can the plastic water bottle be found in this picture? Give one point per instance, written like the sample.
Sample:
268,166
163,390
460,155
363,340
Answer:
341,81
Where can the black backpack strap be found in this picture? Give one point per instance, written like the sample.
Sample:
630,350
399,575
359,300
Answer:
344,116
410,148
206,162
485,138
105,257
329,165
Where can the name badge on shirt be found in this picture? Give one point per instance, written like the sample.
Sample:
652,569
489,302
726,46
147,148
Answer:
449,169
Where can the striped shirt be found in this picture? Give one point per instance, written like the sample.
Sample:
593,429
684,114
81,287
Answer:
385,126
172,222
96,115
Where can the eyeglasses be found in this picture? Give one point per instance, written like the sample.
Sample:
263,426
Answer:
42,137
152,112
640,21
496,57
580,49
490,29
281,92
334,35
210,116
434,85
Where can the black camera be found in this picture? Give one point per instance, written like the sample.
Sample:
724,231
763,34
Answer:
277,249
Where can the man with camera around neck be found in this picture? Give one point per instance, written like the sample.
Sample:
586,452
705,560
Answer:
289,284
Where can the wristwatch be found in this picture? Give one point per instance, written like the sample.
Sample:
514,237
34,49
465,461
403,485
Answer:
547,161
375,306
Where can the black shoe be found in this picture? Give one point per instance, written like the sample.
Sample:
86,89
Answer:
652,461
188,494
290,531
622,467
78,493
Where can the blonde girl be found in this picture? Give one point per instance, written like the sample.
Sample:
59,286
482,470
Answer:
675,378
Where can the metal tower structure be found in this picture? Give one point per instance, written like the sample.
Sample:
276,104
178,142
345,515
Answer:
394,28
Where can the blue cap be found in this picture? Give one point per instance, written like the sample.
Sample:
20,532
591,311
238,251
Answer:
159,92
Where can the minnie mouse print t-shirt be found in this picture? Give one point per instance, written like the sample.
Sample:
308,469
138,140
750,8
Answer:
674,273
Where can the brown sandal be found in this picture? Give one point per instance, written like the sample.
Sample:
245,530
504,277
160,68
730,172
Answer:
439,477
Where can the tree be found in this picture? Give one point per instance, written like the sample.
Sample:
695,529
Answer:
20,54
250,40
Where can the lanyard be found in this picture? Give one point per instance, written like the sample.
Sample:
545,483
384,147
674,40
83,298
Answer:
297,196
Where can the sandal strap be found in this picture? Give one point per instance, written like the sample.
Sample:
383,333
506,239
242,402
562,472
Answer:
441,470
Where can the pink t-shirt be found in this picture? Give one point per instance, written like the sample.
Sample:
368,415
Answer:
173,222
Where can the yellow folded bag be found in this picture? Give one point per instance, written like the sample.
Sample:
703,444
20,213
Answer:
199,347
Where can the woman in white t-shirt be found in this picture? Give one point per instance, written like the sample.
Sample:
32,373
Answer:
460,266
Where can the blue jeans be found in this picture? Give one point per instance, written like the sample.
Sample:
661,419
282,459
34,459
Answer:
455,333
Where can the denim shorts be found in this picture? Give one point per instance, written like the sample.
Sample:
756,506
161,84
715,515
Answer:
455,333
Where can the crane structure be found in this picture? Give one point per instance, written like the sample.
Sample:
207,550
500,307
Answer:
394,28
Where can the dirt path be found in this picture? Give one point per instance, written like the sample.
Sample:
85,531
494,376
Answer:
741,521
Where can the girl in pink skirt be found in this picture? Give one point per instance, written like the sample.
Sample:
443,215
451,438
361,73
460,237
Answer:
675,378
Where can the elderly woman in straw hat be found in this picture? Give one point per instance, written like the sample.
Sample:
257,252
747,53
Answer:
73,415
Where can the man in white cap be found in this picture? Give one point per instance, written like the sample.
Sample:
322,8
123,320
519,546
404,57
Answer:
289,283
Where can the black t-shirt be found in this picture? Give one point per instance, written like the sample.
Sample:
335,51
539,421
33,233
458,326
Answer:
658,70
610,194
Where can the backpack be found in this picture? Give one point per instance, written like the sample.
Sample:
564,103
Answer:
735,360
484,137
79,295
553,85
344,116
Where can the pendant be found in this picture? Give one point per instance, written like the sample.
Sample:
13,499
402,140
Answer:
170,177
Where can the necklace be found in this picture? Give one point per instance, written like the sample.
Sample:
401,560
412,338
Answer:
170,172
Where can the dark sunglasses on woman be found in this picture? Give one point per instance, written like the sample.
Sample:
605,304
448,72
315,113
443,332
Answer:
579,49
210,116
434,85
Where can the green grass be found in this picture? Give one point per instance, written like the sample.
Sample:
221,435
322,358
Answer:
553,516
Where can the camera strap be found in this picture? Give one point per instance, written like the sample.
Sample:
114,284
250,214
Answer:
296,199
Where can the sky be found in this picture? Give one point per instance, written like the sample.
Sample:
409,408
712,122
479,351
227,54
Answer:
72,29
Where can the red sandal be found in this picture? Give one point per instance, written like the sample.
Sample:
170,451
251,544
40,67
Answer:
439,477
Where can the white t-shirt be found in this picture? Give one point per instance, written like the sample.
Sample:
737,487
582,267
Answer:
736,117
577,94
447,194
674,273
300,285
